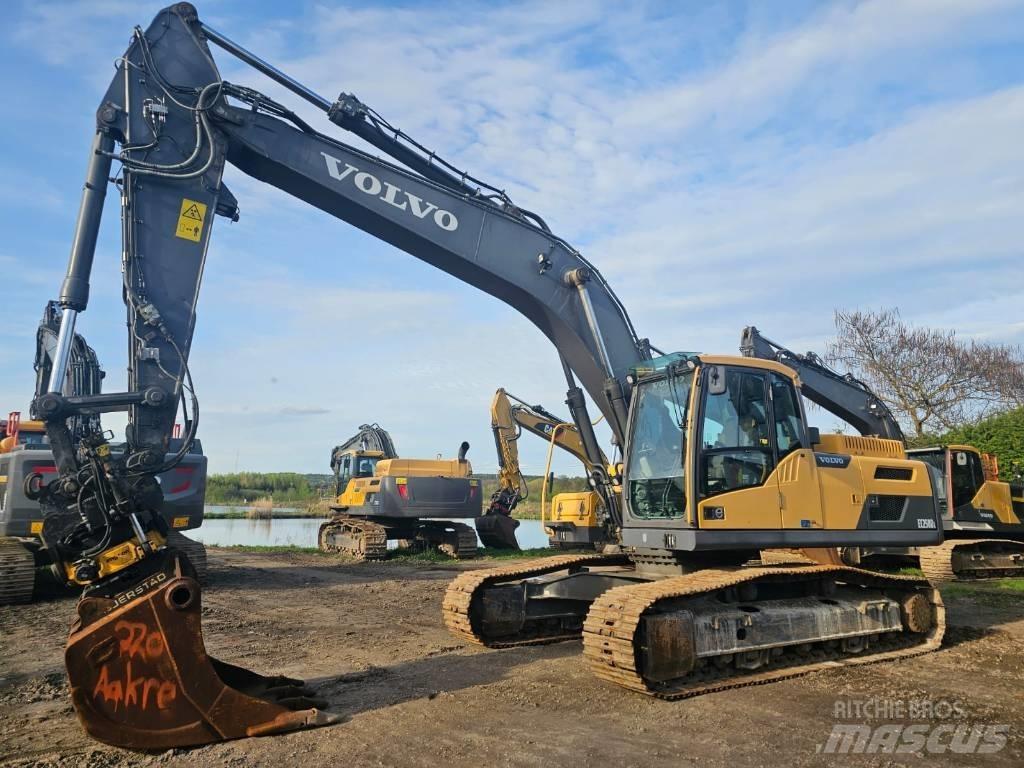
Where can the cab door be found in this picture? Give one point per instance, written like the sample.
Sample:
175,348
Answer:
344,474
737,452
796,472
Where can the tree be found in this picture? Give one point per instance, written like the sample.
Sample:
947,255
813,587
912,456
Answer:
932,380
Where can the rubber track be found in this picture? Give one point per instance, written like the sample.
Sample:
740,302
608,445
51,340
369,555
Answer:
17,572
937,561
610,628
374,537
458,598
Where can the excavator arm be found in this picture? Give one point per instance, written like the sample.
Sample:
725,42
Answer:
370,437
84,374
171,123
840,394
509,417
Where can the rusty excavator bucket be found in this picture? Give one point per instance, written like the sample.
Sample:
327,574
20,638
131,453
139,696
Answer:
140,676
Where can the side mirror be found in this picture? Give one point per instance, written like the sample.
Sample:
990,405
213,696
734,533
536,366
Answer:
716,380
814,435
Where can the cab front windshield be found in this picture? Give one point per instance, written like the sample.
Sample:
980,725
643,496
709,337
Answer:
655,474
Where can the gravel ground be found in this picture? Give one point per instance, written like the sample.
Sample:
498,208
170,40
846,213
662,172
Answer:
370,637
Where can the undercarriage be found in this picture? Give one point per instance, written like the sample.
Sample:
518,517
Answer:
694,632
972,559
953,560
367,538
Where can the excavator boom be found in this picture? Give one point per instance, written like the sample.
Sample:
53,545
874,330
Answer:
841,394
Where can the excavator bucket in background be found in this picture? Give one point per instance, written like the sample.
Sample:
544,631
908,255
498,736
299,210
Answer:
140,677
497,530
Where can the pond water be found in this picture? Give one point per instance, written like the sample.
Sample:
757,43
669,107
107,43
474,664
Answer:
301,532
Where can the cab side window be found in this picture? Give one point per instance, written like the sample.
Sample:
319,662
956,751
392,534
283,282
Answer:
788,424
968,477
736,438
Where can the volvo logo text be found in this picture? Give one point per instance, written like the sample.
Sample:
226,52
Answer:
831,460
369,184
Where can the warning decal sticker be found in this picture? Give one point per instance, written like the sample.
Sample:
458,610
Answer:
190,220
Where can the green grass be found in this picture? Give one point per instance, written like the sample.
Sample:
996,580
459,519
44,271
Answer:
434,556
908,571
399,556
241,513
997,592
512,554
280,549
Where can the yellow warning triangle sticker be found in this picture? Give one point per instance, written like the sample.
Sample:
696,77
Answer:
192,212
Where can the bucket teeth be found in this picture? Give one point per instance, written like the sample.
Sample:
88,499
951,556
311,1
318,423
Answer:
140,676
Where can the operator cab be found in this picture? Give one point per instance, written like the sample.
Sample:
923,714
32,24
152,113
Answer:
358,464
720,457
961,469
741,422
22,434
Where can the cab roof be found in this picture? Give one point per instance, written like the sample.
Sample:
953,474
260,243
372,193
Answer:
661,364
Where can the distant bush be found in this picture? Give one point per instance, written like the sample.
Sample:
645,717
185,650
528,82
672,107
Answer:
1001,435
247,487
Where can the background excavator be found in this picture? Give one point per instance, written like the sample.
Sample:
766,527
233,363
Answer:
719,461
577,518
981,520
27,463
380,497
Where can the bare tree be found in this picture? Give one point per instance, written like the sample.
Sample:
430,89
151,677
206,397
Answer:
931,379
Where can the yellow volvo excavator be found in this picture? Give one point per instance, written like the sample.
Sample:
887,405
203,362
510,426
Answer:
382,497
982,517
577,518
719,460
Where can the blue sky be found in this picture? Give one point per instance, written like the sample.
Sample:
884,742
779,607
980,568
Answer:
722,163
